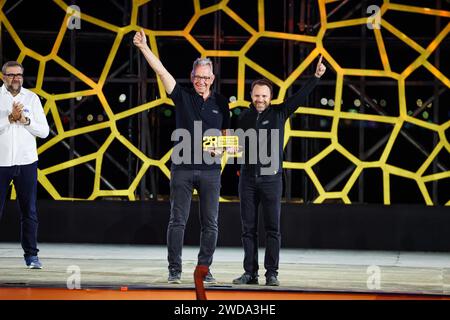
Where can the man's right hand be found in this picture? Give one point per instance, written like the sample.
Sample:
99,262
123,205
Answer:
216,152
16,112
140,39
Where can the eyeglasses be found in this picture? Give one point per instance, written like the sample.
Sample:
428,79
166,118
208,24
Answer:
14,75
200,78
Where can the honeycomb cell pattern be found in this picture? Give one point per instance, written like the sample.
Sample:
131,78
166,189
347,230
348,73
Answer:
336,114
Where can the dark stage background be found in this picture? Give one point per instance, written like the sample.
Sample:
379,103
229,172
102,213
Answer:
373,135
326,226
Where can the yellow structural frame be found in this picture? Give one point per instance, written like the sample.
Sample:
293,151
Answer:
244,61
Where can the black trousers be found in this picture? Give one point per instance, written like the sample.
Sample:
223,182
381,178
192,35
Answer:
25,182
267,191
182,183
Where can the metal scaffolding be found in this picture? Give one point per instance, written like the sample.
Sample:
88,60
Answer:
133,74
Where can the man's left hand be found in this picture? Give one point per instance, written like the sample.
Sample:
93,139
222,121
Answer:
23,119
216,152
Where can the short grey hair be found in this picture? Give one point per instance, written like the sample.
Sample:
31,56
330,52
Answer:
202,62
11,64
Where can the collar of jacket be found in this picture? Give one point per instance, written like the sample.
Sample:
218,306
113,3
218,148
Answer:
253,109
212,95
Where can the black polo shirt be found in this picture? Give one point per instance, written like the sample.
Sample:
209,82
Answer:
213,113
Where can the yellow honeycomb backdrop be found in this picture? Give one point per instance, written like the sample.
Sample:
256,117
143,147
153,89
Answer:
243,61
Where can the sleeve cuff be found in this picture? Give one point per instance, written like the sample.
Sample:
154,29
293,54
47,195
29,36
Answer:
175,91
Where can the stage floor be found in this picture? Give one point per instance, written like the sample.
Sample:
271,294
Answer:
141,267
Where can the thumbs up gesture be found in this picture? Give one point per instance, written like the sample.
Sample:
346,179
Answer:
320,69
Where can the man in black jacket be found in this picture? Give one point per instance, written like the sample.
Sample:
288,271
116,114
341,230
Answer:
260,180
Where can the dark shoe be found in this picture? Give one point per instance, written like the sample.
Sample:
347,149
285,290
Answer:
33,262
246,278
209,279
174,277
272,281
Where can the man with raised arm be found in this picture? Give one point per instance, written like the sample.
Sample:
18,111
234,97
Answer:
196,110
260,180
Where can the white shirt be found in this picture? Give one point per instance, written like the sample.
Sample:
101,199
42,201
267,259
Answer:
18,142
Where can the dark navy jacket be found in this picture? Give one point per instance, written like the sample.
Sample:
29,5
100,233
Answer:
274,117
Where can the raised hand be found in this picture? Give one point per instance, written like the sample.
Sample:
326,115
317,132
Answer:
320,69
140,39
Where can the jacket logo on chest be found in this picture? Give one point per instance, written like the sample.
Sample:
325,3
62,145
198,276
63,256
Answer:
215,111
265,122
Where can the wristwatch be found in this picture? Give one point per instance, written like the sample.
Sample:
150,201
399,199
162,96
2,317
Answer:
28,121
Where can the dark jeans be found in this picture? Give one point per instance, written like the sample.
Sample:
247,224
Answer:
182,183
25,182
267,191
